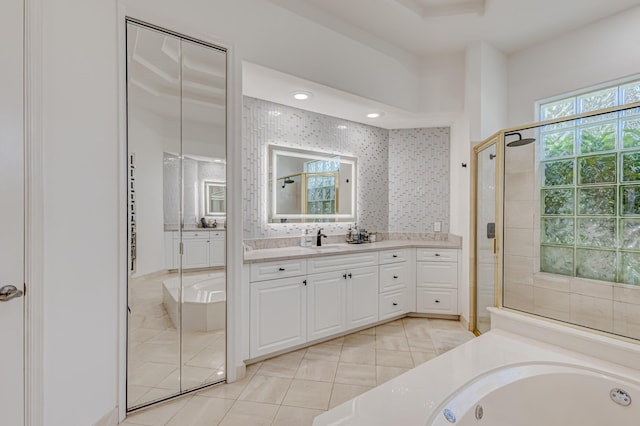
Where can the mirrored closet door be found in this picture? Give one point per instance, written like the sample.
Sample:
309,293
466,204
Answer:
176,137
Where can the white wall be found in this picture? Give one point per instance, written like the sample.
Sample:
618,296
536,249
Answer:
81,209
604,51
145,141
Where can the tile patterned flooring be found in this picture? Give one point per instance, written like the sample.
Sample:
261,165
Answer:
293,388
154,350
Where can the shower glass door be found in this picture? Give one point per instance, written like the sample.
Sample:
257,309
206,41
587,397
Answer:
176,142
483,296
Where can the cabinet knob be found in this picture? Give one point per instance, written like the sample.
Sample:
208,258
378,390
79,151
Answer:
280,269
395,255
437,255
437,301
395,277
304,282
395,304
344,276
349,274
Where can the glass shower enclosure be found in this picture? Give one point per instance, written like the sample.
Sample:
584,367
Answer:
568,220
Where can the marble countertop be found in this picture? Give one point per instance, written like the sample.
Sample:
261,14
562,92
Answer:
169,228
330,249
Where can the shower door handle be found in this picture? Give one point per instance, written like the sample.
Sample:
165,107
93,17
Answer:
491,230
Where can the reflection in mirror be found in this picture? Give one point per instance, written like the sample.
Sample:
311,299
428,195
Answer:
311,186
176,136
215,198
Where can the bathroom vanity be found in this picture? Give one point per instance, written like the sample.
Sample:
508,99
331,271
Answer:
298,296
203,248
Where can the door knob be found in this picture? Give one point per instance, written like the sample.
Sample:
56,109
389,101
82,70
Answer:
8,292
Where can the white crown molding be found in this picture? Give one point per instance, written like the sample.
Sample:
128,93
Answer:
34,213
439,9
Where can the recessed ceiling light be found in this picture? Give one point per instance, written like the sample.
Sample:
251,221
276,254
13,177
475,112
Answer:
301,95
274,113
375,114
341,126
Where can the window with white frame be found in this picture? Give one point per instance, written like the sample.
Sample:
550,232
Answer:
590,186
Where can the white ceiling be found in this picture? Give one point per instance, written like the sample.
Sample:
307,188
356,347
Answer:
417,29
424,27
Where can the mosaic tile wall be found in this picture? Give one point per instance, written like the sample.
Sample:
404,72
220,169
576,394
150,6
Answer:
418,179
269,123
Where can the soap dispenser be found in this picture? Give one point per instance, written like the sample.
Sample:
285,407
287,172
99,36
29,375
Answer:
306,240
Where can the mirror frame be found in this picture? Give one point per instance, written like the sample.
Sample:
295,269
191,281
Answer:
272,176
207,184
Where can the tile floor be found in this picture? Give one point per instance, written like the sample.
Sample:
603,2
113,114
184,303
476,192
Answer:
292,389
154,351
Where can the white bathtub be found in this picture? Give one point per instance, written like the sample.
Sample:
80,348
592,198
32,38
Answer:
542,394
524,372
204,297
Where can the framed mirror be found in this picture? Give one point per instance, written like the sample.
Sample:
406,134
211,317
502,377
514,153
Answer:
215,202
311,186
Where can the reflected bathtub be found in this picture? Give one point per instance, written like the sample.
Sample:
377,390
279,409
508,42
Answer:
543,394
204,301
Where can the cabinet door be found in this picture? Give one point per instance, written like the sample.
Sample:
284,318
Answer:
326,302
362,296
216,255
278,315
196,253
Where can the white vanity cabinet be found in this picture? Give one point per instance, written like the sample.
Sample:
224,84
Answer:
395,281
278,303
326,304
437,281
196,249
344,297
304,299
201,249
217,248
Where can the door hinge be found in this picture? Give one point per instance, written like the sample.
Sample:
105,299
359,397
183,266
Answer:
24,291
181,248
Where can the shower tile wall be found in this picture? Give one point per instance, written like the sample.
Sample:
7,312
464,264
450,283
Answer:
269,123
418,179
601,305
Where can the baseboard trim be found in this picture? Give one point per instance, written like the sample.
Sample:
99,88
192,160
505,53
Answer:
109,419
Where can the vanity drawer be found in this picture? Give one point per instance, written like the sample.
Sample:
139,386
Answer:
392,303
437,301
393,276
342,262
189,235
274,270
437,274
436,255
217,235
394,256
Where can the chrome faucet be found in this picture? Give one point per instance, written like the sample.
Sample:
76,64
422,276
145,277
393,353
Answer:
319,238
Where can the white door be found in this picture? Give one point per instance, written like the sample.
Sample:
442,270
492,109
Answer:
11,214
362,296
278,315
326,301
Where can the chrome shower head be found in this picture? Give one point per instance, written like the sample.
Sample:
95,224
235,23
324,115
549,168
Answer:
520,141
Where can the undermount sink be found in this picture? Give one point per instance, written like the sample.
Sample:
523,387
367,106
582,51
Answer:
330,246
